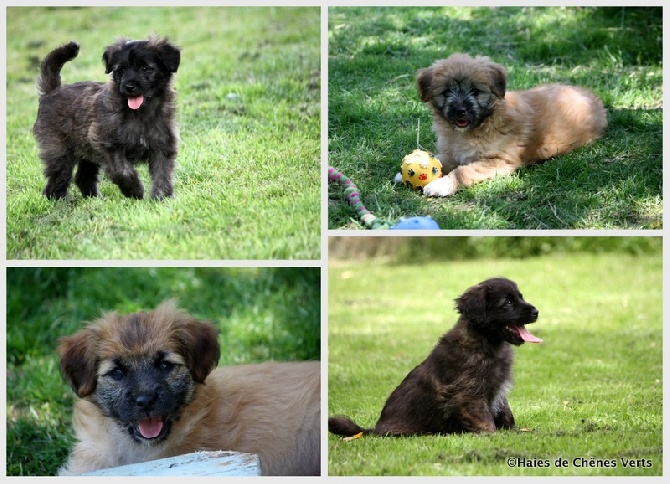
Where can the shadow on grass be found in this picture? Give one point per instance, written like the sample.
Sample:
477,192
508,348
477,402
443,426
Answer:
568,36
615,182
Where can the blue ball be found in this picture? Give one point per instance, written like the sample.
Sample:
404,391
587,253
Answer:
416,223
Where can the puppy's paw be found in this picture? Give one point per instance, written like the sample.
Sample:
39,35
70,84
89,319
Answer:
398,178
54,194
136,192
162,194
442,187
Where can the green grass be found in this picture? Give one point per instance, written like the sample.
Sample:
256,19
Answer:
247,183
261,313
592,389
374,111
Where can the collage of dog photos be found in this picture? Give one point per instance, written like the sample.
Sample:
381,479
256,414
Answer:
333,239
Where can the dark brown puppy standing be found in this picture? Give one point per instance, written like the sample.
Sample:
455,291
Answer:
462,385
112,125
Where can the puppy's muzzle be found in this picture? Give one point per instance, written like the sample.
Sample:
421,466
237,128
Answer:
459,115
145,401
131,90
519,331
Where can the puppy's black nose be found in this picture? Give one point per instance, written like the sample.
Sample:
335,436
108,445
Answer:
145,400
535,313
130,87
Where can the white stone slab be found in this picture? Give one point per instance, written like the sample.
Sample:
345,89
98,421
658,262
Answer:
217,463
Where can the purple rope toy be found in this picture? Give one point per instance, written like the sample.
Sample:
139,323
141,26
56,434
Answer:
353,197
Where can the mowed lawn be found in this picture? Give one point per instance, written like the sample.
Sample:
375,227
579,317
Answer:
247,181
590,394
375,115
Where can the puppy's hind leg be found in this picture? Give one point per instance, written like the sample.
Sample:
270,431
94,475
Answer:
58,172
87,178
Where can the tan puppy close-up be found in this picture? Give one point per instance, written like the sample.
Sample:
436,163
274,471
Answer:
483,131
149,388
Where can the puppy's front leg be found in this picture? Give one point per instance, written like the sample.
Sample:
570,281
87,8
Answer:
467,175
504,418
476,417
442,187
124,176
161,166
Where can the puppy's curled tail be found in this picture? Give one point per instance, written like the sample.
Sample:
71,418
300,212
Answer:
53,63
341,425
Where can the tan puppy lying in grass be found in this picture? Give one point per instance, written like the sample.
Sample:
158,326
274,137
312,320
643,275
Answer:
483,131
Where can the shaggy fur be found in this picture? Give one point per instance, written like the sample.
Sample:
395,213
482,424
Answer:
462,385
483,131
112,125
148,389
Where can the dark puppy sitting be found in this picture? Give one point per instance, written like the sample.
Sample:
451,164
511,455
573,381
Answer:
462,385
111,125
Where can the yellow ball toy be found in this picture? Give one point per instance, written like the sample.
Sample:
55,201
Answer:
419,168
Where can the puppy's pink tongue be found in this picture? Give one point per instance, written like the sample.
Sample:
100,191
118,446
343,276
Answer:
151,427
525,335
135,102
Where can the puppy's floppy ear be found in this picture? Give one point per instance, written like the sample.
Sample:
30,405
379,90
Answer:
107,59
166,53
472,304
78,361
195,340
198,346
170,56
110,55
498,79
424,79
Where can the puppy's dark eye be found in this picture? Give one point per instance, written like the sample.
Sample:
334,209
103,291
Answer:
146,69
475,92
165,366
117,373
509,302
